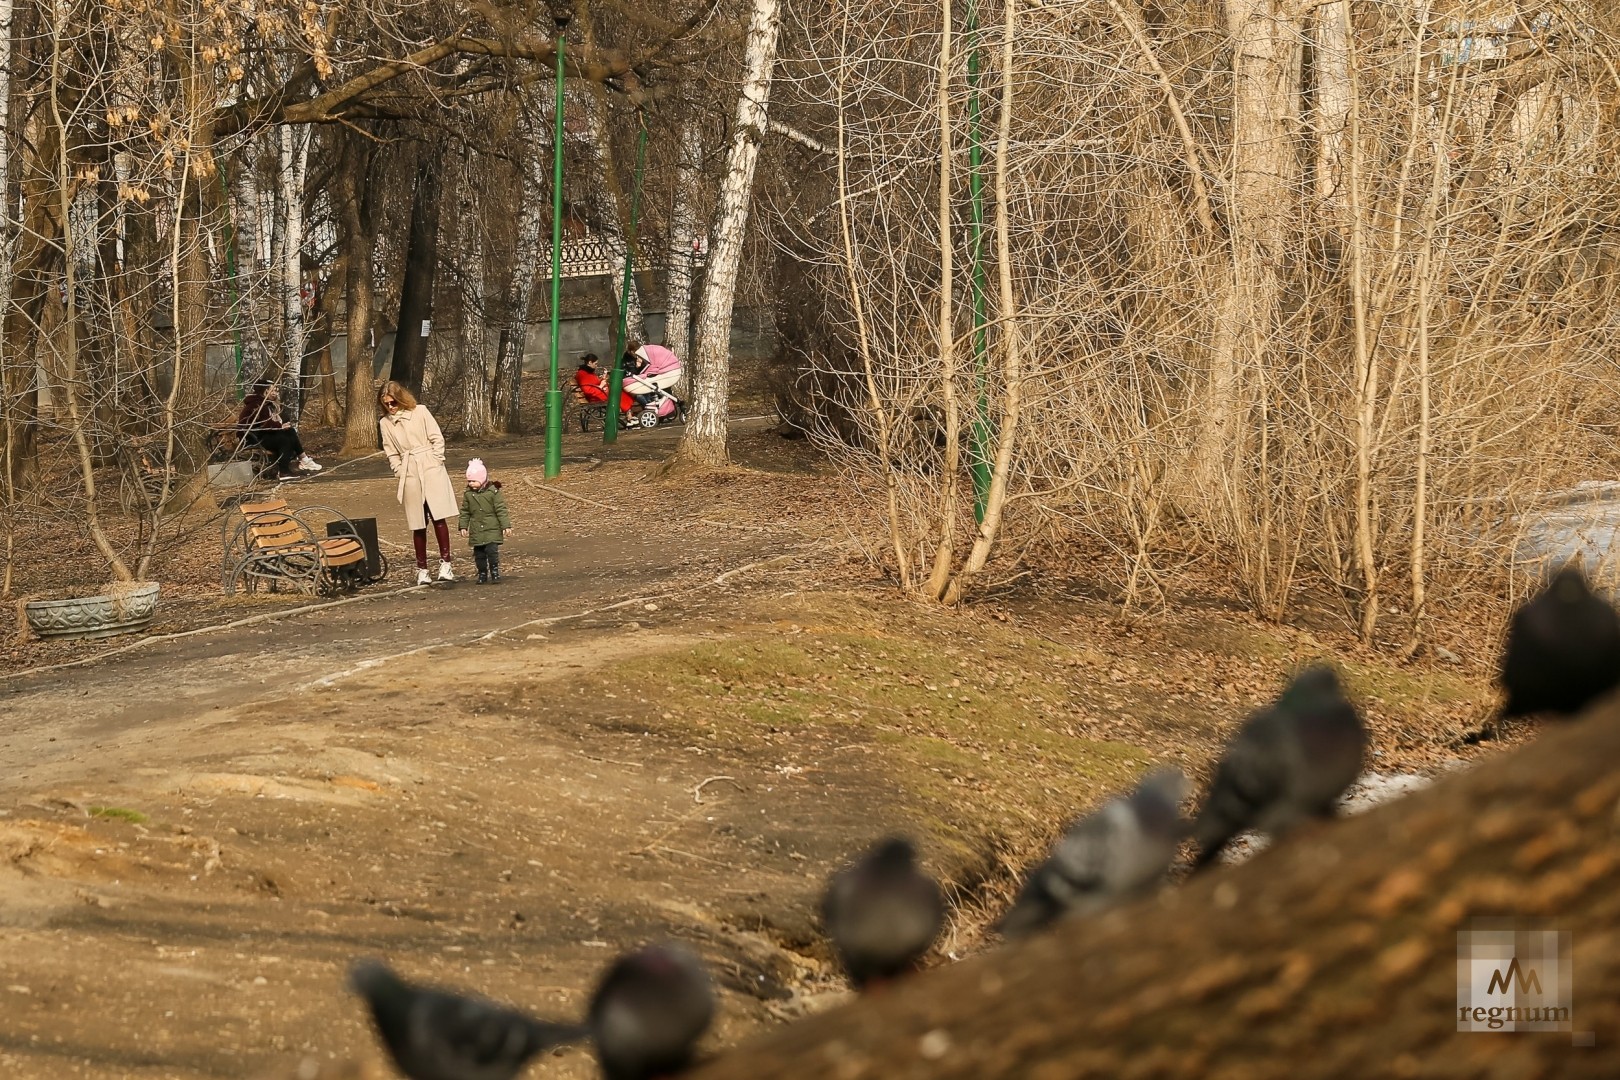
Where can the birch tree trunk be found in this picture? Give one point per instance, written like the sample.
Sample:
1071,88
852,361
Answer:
290,193
476,419
532,217
257,258
681,258
704,441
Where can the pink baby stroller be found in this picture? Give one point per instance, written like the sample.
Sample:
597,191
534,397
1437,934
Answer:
651,372
664,408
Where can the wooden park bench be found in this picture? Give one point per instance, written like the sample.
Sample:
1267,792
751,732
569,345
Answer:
272,545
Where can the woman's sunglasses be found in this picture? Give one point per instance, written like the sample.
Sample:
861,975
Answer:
390,404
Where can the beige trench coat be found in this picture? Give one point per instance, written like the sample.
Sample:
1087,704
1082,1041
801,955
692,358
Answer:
415,447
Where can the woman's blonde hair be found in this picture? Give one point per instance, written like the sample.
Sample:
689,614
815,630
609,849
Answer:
401,396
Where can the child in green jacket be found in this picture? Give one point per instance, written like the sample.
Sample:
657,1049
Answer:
484,518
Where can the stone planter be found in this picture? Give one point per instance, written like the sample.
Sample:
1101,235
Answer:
95,616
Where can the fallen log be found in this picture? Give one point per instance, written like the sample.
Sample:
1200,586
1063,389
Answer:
1334,954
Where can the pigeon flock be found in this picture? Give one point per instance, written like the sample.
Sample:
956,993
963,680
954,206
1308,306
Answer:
1289,763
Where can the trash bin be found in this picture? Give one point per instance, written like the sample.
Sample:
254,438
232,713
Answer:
366,529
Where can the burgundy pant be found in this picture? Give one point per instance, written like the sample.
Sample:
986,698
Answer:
441,533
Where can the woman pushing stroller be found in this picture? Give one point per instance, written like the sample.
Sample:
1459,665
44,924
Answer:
649,373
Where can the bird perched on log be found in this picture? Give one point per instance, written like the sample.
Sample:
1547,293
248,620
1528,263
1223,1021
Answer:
1563,649
1290,762
648,1013
882,913
1119,851
438,1035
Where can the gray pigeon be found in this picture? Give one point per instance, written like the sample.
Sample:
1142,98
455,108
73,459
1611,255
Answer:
436,1035
1119,851
882,913
648,1013
1563,649
1290,762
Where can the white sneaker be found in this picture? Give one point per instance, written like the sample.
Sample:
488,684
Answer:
309,464
423,577
445,573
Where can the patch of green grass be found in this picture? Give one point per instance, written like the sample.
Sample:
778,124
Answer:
973,723
134,817
1403,689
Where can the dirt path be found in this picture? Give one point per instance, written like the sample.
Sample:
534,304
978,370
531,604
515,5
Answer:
678,715
196,836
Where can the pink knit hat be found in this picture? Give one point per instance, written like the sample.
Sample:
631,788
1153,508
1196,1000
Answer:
476,473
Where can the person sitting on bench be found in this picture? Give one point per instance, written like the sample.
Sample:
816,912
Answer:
261,425
593,388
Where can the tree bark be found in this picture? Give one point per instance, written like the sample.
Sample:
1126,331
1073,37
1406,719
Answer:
1330,69
1333,955
320,347
359,231
36,259
704,441
532,216
474,343
685,238
6,233
15,374
421,262
193,319
255,251
1264,36
294,140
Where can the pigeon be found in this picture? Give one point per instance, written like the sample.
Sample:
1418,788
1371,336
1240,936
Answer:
1563,649
882,913
648,1013
1119,851
437,1035
1290,762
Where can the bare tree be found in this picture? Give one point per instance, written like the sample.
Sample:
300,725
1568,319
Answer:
1316,369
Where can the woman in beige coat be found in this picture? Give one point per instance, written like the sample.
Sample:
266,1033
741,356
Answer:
415,447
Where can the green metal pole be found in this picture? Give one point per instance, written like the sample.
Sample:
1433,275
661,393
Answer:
554,409
979,452
610,428
230,268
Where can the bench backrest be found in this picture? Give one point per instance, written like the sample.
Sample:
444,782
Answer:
272,527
